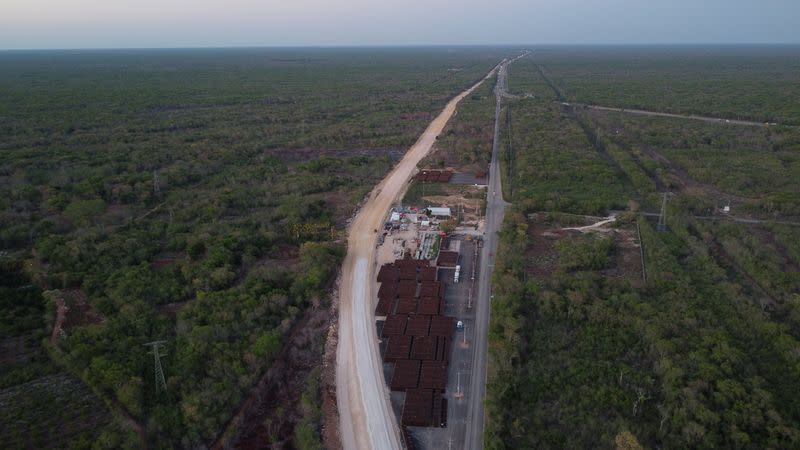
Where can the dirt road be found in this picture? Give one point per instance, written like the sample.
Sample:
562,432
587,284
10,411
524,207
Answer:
366,417
642,112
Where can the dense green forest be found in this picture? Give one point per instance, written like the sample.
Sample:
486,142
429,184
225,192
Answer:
697,347
194,196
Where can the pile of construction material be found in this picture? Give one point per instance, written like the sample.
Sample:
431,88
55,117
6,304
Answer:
418,336
434,176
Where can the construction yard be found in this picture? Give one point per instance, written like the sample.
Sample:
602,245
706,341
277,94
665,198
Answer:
424,316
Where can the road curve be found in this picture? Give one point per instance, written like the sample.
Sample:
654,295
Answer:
366,420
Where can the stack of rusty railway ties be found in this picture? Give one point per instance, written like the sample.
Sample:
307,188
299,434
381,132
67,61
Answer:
417,336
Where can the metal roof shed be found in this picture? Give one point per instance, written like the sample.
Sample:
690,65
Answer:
439,211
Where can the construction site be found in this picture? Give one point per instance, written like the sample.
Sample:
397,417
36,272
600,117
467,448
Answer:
423,313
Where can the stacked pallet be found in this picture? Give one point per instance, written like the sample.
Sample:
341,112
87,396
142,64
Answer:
418,337
434,176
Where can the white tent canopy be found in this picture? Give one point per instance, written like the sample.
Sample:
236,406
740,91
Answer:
439,212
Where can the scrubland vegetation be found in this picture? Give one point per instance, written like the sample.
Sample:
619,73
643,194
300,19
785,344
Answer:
466,142
194,196
702,354
757,83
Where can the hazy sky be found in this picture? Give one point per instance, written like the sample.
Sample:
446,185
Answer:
190,23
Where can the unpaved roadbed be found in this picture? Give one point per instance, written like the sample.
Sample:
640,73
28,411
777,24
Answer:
366,418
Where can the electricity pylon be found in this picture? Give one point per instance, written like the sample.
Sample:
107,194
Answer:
157,346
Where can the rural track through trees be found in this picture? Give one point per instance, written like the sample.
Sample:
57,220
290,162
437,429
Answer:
366,419
562,97
642,112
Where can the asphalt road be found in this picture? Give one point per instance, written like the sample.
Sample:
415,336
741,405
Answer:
495,210
460,367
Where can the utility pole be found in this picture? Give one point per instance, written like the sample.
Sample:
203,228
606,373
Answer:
458,393
157,347
478,210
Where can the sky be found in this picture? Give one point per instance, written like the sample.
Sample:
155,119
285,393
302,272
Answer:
37,24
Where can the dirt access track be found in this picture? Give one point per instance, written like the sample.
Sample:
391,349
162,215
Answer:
366,417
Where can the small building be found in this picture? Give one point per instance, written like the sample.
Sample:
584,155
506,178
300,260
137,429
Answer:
440,213
395,217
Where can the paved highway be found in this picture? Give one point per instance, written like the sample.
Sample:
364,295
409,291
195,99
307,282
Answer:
495,210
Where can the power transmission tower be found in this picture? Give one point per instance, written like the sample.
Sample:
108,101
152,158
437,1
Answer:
157,346
662,218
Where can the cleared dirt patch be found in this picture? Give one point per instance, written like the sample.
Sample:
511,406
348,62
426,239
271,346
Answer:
72,310
267,418
624,259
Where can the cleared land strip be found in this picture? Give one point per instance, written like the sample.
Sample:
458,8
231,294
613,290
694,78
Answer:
562,98
366,417
736,219
642,112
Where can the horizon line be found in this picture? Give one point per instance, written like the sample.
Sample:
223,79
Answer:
410,45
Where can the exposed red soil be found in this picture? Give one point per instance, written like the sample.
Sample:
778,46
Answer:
267,417
542,257
626,259
72,311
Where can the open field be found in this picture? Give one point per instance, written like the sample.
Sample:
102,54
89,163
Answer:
199,196
584,351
